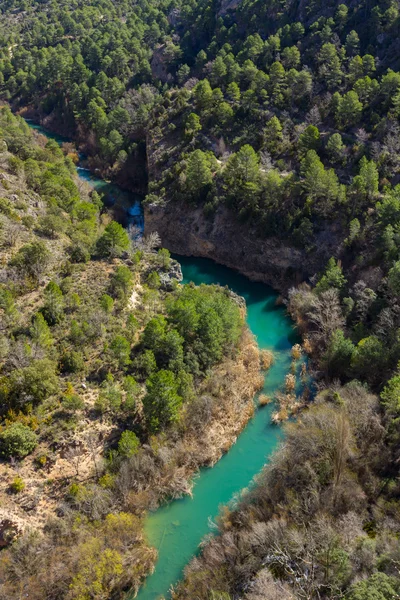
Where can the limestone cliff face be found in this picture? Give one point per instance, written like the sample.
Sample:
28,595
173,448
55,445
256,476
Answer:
185,230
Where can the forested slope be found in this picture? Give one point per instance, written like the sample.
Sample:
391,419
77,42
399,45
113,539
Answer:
107,368
284,114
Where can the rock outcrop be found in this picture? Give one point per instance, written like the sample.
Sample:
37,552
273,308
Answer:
185,230
173,275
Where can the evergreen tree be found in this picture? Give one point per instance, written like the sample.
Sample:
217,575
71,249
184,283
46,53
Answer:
162,402
198,175
113,241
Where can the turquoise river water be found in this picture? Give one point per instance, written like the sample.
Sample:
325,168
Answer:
177,528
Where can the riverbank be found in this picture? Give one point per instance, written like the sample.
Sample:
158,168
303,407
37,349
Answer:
177,528
305,509
225,405
185,230
131,176
209,427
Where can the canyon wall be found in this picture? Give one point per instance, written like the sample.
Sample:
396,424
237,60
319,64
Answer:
185,230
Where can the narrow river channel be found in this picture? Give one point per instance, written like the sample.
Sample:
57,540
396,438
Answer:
177,528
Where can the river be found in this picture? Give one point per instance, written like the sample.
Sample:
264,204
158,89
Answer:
113,194
177,528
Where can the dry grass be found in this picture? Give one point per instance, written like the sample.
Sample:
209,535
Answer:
296,352
263,400
290,383
279,416
210,427
266,359
289,405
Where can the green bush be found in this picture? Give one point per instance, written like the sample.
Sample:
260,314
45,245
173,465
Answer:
18,485
72,362
128,444
153,280
113,241
32,259
34,383
78,254
73,402
377,587
17,441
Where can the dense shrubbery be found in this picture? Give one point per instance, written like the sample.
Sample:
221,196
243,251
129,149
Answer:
286,114
313,505
94,363
17,441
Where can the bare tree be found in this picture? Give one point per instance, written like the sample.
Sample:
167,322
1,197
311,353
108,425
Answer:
74,455
325,315
92,443
151,242
314,116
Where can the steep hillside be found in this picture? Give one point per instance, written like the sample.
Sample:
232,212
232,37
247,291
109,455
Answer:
267,134
116,383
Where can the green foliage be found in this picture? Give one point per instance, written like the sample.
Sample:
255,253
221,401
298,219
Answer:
330,66
120,350
310,139
122,282
73,402
339,354
193,125
107,303
153,280
17,441
110,397
198,175
34,383
241,178
40,331
162,402
321,186
391,396
354,230
97,570
52,225
72,361
369,359
273,134
17,485
113,242
145,363
332,278
378,586
32,259
348,111
164,258
394,279
53,309
128,444
367,182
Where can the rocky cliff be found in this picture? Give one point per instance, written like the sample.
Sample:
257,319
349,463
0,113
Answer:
185,230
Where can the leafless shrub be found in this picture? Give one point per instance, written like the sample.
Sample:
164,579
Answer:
364,298
199,413
11,234
325,315
266,359
361,136
313,117
93,501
